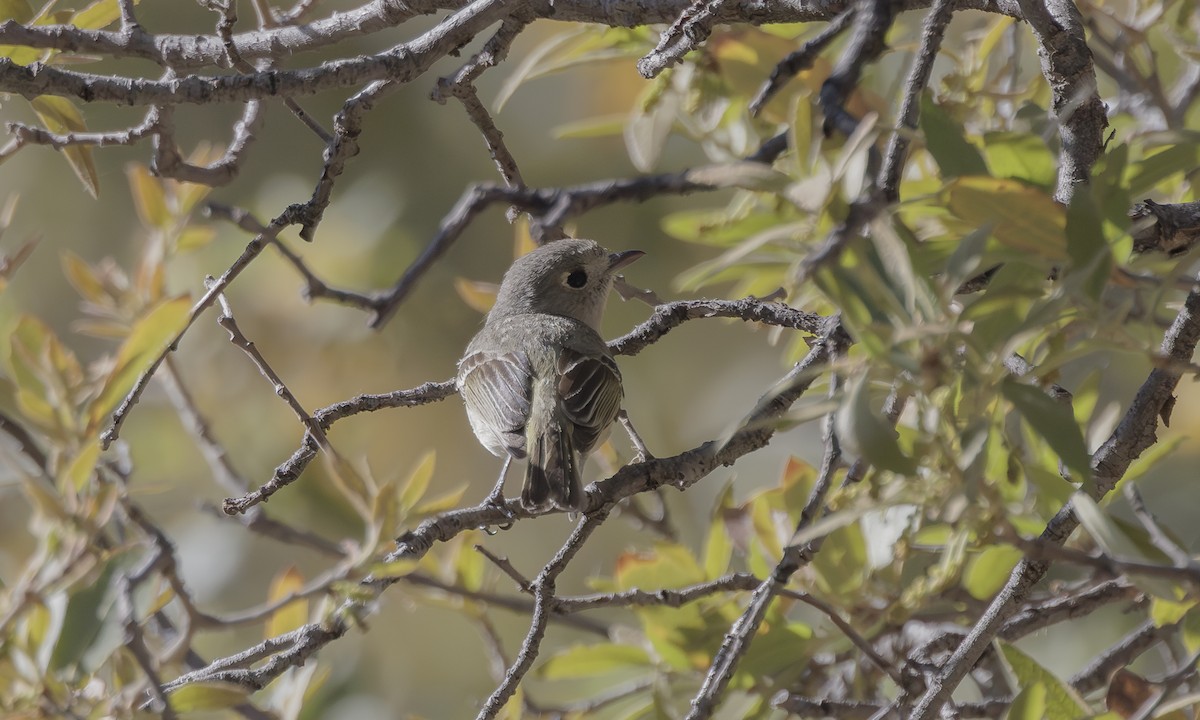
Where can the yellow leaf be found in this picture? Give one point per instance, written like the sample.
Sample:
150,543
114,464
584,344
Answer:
150,337
353,486
477,295
43,497
442,502
83,278
99,14
79,472
60,115
148,196
160,602
523,243
18,10
207,696
417,482
1024,218
394,569
294,614
195,237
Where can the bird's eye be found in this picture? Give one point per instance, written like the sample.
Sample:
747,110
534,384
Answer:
577,279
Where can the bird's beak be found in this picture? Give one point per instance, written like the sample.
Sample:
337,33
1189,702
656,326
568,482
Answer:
619,260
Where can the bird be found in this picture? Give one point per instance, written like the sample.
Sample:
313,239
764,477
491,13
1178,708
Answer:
538,381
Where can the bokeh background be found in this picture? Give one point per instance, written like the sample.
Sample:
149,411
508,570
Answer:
418,157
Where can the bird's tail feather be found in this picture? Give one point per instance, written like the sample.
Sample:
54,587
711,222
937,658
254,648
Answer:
552,475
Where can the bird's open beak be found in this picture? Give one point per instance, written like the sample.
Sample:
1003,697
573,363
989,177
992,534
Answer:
619,260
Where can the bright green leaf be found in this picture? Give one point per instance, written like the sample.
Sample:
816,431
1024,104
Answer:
987,572
1021,156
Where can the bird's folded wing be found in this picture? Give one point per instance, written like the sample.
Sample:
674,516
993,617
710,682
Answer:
497,389
590,389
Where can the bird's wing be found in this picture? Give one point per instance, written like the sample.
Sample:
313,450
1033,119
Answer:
590,389
497,390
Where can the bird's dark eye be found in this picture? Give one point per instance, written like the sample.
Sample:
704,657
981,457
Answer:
577,279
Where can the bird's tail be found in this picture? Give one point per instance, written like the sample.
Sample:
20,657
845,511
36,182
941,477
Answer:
552,475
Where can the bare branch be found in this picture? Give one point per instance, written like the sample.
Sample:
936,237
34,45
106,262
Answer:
932,32
1098,672
800,60
543,599
692,27
1067,65
399,65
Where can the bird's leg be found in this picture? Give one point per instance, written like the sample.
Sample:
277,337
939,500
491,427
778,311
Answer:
642,453
496,497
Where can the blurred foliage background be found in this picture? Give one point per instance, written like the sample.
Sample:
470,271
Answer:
577,111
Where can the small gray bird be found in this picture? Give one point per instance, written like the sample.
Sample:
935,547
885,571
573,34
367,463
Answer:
538,380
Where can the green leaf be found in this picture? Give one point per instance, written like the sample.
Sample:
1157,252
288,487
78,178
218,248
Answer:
987,572
1091,259
964,262
864,430
1029,704
842,563
1061,701
1150,171
1054,422
84,620
207,696
60,115
1025,219
1022,156
944,140
584,661
150,336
